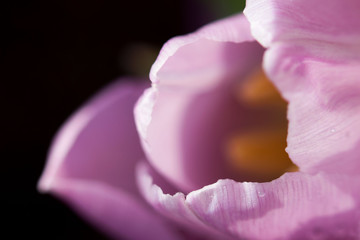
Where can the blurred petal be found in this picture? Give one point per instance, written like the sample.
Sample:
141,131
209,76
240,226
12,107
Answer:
91,165
114,211
322,20
185,116
99,141
291,207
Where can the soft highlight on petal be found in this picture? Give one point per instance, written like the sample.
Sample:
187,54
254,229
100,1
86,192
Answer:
321,20
321,83
295,206
313,58
172,206
91,166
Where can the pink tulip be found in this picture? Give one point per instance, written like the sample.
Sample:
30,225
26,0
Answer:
177,181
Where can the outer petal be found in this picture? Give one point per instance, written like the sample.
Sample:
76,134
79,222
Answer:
295,206
91,166
174,206
324,109
185,116
323,20
313,58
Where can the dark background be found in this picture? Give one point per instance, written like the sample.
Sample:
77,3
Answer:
53,56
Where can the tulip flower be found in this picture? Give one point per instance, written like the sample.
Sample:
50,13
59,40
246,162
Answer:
207,156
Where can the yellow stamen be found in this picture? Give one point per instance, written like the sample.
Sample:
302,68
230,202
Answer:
257,90
292,168
260,153
258,150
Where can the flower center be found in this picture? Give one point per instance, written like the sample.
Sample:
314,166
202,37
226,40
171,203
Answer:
257,150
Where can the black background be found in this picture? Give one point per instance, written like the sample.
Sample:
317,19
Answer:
53,56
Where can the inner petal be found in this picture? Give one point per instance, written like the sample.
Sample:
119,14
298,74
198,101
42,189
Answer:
257,150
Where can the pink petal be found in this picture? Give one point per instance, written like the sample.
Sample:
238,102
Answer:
185,116
313,58
91,166
321,83
322,20
201,53
114,211
295,206
172,206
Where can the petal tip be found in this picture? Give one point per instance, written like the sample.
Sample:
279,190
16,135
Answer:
43,185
